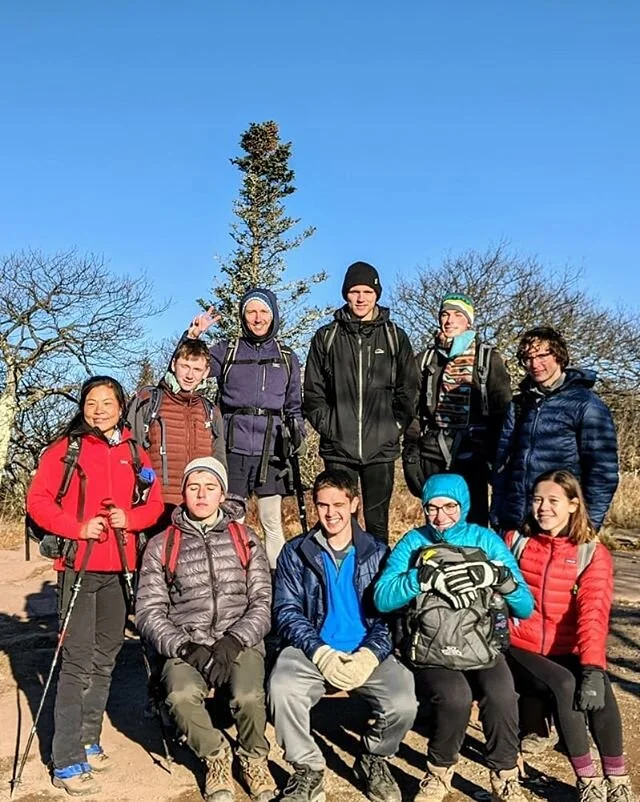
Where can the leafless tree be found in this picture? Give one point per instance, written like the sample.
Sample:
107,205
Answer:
62,317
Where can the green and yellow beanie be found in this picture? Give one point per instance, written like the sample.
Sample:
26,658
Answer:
460,302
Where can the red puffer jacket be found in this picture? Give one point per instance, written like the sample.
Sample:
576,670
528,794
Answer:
103,472
571,616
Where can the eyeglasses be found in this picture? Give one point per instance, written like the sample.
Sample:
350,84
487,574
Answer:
449,508
529,360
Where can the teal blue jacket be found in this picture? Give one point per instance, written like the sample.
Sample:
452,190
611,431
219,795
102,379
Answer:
399,584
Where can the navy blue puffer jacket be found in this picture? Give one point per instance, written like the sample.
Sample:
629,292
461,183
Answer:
300,593
569,428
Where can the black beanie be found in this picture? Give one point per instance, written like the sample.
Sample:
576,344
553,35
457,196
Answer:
361,273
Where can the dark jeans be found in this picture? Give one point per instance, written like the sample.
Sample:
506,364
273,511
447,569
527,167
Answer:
475,473
557,677
451,693
376,483
186,694
91,645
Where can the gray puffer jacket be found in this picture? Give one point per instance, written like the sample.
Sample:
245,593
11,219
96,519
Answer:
212,594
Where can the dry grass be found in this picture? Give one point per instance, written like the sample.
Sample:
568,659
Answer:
625,510
11,532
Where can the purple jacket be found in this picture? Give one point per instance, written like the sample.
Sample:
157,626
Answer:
266,386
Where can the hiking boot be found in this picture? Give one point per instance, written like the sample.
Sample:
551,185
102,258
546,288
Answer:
435,785
257,777
591,789
96,758
218,784
505,786
534,744
619,789
76,780
374,772
305,785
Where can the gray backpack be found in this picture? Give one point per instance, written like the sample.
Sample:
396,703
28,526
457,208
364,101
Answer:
462,640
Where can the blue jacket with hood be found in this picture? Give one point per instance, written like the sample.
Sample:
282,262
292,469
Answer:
399,583
253,380
567,428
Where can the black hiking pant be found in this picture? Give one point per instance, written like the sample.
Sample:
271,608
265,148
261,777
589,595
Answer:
451,693
376,483
94,637
556,678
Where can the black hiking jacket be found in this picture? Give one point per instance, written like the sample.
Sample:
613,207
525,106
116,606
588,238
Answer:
358,395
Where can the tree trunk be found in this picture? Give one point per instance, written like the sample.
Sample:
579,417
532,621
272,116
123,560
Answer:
8,414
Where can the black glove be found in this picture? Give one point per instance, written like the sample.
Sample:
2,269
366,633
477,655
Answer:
223,654
484,574
457,590
412,469
590,694
197,655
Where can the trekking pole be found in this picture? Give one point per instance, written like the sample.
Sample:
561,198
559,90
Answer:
130,598
75,589
294,442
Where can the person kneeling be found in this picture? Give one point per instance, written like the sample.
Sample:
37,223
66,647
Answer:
334,640
217,588
456,578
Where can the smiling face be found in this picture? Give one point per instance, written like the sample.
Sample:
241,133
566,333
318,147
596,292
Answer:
335,508
101,409
453,322
442,512
541,365
203,496
258,318
552,508
361,301
190,371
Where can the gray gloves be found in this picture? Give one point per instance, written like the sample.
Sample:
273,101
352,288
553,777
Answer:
342,670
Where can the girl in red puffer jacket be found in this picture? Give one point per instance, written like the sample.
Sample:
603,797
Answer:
561,649
112,494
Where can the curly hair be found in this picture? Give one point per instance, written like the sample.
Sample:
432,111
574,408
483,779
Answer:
543,334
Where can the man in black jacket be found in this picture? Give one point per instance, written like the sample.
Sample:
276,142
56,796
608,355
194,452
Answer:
464,393
360,391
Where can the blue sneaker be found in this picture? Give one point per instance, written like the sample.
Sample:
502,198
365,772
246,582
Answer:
76,780
96,758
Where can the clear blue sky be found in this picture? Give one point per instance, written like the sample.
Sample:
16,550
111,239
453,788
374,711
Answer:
418,128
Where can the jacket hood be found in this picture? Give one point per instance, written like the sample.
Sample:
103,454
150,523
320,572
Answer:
447,485
343,315
573,376
268,297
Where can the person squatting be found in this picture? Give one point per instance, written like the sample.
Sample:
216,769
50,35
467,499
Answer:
455,612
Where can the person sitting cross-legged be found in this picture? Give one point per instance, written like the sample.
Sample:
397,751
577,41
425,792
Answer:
335,639
206,608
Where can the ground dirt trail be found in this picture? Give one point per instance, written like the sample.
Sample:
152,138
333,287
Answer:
27,638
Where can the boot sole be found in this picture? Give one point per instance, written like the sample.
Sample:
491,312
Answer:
59,783
361,777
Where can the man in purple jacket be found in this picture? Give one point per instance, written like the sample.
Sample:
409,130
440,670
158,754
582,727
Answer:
259,387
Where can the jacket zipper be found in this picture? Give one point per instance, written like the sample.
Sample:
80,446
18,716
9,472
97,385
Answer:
360,399
533,434
214,594
542,595
264,377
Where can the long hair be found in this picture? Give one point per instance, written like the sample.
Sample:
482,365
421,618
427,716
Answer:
78,423
580,527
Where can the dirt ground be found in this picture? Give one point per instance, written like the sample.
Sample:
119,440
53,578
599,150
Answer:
27,639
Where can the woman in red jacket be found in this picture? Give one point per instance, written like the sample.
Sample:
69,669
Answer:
109,493
561,649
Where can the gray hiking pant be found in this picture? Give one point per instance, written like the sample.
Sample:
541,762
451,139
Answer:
186,694
296,686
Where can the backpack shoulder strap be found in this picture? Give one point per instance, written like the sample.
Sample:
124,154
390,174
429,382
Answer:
427,363
170,551
585,555
482,366
229,358
241,543
70,461
518,545
329,336
391,333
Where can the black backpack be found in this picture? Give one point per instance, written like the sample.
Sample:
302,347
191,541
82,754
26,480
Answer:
463,640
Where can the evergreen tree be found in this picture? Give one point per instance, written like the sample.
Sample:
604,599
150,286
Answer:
262,237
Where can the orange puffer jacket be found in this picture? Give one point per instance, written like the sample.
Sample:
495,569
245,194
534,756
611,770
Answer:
571,615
